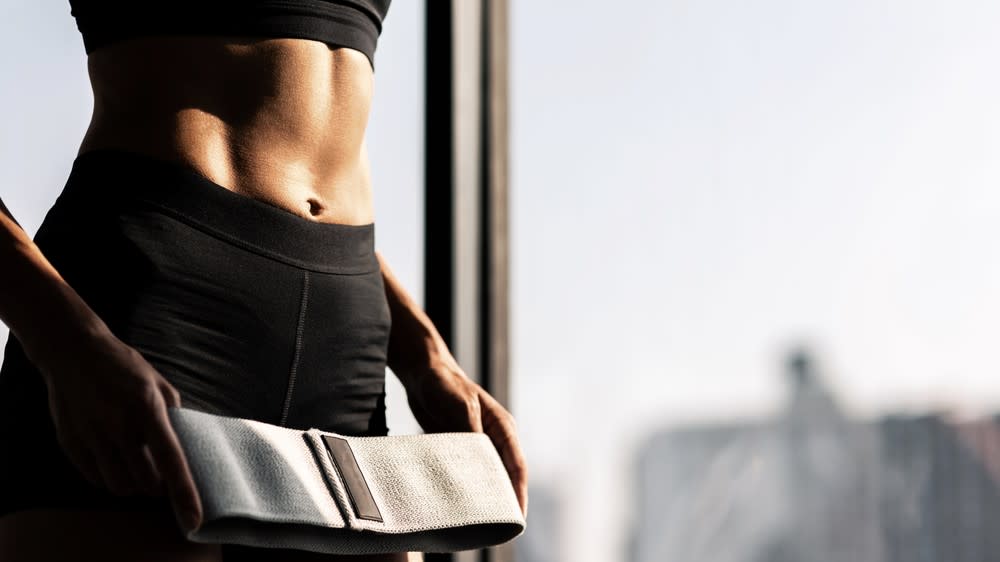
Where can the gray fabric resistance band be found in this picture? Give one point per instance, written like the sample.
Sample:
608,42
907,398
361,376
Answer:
270,486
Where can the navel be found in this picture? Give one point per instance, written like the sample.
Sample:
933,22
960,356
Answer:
315,208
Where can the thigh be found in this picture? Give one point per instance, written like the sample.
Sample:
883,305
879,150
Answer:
83,535
109,536
233,553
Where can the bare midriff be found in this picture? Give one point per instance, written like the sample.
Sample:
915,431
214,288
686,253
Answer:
278,120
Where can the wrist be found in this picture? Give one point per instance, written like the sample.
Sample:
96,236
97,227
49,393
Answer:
44,313
56,346
414,352
416,348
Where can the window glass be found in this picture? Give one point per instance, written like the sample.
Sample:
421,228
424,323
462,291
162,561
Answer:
754,278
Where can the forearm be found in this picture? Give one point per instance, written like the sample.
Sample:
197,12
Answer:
414,343
45,314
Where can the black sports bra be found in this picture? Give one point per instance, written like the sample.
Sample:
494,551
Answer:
339,23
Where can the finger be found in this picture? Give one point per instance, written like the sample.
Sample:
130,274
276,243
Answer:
140,466
474,411
171,397
81,458
501,428
169,459
111,464
157,477
467,413
513,461
86,464
516,470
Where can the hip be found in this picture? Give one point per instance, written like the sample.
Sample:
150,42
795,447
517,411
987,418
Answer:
249,310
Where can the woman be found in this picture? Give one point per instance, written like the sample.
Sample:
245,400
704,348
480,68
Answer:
213,248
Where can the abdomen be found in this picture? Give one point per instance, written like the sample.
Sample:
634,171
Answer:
280,120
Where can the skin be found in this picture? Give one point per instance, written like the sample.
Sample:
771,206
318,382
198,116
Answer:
279,120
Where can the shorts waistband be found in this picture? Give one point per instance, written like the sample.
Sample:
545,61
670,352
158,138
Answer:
111,175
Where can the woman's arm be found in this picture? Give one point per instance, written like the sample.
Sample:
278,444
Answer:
38,306
87,369
414,342
441,396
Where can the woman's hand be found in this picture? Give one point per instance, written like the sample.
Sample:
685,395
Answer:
109,407
443,398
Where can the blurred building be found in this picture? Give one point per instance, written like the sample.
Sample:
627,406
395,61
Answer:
814,485
542,539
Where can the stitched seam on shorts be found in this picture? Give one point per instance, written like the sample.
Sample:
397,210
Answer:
298,347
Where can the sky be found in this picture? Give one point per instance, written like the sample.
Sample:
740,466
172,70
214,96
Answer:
696,187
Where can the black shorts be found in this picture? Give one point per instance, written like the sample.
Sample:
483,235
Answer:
248,310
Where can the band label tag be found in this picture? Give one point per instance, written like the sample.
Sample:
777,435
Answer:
361,496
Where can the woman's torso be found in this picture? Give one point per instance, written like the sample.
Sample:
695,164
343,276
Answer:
279,120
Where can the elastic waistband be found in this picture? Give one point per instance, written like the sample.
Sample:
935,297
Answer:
116,176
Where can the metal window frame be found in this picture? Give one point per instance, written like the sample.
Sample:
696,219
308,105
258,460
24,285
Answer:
466,211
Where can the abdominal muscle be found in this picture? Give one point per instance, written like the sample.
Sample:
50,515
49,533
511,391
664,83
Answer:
279,120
